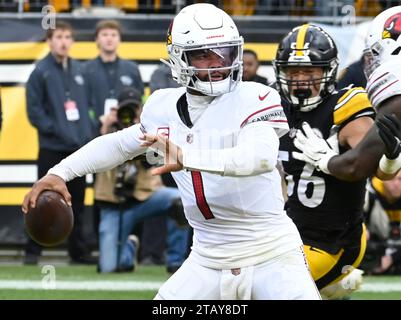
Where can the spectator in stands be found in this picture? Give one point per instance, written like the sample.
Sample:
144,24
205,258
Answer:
57,107
107,75
274,7
385,4
384,207
127,194
156,230
251,66
239,7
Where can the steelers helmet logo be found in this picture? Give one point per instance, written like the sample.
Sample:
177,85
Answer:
392,27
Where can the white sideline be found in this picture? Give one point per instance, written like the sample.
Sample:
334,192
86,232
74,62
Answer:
144,285
81,285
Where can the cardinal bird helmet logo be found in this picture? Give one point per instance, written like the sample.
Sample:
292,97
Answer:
392,27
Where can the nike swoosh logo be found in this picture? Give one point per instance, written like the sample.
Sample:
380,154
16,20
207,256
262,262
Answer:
261,98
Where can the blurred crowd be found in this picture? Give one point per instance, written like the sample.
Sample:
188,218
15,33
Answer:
233,7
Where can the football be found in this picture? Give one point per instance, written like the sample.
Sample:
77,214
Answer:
51,221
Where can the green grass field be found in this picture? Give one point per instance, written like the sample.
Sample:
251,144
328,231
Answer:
83,282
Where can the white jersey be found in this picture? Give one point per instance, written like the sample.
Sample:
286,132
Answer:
384,83
237,221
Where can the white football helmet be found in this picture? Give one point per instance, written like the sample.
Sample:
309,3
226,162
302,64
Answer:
204,29
383,42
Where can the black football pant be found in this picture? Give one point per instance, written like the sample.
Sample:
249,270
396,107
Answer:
77,246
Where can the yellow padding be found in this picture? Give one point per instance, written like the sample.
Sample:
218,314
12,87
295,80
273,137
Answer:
15,196
345,95
378,185
320,262
355,104
18,140
127,50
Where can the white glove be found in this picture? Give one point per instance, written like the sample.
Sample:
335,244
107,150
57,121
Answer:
315,150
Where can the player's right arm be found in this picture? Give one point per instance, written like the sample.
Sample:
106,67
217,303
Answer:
101,154
389,130
363,160
384,90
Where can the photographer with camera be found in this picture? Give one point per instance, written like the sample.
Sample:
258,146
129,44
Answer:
127,194
383,217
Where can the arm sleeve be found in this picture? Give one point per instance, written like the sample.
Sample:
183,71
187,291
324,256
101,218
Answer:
101,154
384,83
35,108
256,152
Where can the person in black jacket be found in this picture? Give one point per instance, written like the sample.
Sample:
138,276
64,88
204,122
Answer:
251,66
107,75
57,107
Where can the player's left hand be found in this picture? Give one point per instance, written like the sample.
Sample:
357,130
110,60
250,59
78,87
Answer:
172,153
389,129
314,150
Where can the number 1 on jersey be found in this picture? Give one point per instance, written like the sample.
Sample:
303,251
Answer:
200,195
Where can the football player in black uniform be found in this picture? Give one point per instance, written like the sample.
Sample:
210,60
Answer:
383,71
328,212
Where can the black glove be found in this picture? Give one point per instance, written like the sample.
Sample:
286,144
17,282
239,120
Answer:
389,129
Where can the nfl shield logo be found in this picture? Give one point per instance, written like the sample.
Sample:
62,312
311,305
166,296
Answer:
190,138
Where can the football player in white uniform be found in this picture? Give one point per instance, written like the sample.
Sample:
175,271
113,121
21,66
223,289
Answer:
220,136
384,91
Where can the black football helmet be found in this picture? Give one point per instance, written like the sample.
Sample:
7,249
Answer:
306,46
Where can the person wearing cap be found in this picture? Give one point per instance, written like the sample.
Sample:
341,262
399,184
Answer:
108,74
127,194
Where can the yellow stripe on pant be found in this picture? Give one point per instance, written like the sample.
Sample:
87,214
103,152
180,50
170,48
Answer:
329,268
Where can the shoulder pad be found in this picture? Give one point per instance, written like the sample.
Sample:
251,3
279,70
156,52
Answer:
351,103
384,83
264,105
